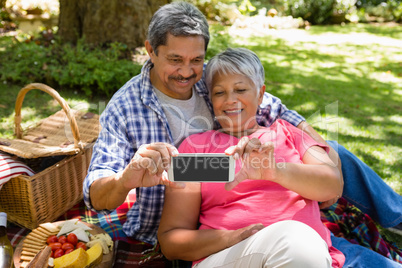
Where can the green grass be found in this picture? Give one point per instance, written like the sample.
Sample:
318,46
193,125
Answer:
38,105
347,82
389,30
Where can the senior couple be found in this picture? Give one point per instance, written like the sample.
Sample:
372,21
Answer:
269,215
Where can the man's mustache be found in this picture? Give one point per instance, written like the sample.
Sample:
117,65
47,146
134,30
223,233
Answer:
180,77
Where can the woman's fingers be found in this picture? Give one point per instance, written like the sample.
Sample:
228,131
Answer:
266,147
243,233
240,147
243,148
258,161
239,177
250,230
237,150
253,145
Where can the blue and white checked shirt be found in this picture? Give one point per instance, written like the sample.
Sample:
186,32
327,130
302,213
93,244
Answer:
134,117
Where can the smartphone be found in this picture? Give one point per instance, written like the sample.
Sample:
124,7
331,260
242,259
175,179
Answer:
202,167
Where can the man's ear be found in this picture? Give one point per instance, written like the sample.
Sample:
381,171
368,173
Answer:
149,49
261,94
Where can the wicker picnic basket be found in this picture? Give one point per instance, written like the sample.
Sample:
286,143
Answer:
43,197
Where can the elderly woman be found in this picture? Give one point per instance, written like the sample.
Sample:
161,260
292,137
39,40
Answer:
269,215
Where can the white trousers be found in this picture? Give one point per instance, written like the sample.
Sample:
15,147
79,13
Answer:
284,244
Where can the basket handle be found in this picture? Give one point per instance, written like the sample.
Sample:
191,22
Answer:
60,100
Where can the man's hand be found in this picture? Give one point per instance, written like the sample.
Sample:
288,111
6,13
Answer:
258,161
148,167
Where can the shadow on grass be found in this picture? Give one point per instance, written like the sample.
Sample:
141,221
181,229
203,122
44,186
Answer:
373,161
307,80
323,85
393,67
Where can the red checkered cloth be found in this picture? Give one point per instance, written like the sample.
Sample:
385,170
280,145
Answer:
111,223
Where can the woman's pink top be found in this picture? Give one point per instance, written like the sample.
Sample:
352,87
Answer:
256,201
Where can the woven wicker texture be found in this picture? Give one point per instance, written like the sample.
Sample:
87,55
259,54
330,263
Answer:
64,133
30,201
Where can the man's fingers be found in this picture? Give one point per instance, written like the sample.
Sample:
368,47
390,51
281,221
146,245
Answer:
174,184
150,163
159,153
166,149
173,150
146,163
164,180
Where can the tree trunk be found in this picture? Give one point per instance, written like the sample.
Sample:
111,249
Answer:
105,21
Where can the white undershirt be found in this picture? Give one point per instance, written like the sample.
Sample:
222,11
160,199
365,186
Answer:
185,117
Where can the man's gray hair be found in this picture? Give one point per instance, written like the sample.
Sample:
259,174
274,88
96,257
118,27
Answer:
236,61
178,19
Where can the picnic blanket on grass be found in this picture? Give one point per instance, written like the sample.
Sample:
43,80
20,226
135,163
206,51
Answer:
347,221
342,218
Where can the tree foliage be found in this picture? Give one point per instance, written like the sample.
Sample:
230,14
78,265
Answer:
91,70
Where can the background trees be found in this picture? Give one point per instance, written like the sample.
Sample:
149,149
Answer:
100,22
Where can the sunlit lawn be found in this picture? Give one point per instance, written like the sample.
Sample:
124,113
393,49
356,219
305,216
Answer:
346,81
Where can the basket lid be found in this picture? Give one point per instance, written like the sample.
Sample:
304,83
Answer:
59,134
53,136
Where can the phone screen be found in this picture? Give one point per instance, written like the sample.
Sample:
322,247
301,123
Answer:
201,168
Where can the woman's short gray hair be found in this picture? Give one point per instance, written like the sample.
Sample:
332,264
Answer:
178,19
236,61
